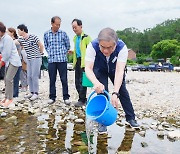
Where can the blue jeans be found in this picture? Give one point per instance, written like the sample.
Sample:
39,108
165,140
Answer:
124,95
16,82
52,70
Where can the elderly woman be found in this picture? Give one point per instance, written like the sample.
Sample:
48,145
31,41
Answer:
12,62
12,32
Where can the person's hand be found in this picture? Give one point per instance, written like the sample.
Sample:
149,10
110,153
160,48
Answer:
115,101
70,52
99,87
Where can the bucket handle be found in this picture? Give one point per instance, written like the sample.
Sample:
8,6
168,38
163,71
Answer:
95,92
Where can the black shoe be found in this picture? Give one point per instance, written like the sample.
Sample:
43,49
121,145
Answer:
3,90
132,123
79,104
102,129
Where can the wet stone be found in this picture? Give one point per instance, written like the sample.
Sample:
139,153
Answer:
142,133
1,110
3,137
174,135
120,124
154,127
160,128
160,134
144,144
165,124
79,121
169,129
3,114
11,119
144,127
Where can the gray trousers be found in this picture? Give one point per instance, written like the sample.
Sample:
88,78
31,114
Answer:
8,79
23,78
33,72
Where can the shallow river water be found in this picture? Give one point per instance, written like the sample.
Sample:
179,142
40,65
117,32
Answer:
48,133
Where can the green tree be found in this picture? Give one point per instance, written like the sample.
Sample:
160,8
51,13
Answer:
142,42
165,49
131,36
175,60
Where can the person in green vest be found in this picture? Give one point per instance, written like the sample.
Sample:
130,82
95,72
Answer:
81,40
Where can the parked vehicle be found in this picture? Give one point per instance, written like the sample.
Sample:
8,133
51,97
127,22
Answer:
139,68
167,67
177,69
143,68
135,68
154,67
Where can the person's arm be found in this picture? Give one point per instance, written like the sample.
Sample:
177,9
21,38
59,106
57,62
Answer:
89,63
120,66
0,64
117,82
41,47
46,42
67,42
7,49
119,73
98,87
24,55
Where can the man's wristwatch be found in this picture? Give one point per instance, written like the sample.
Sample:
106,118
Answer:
115,93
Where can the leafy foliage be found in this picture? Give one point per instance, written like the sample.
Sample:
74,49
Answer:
162,41
165,49
142,42
175,60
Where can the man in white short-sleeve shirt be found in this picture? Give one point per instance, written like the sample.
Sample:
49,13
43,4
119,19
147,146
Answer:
106,57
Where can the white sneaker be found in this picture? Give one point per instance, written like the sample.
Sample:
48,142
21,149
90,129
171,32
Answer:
28,96
50,101
11,106
34,97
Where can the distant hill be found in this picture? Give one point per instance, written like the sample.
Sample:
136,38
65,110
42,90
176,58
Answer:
142,42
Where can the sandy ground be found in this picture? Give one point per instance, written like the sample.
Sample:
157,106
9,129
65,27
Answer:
155,90
148,90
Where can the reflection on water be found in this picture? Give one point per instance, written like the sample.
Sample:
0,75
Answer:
91,126
126,143
58,133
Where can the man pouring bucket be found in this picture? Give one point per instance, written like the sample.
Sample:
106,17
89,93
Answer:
106,57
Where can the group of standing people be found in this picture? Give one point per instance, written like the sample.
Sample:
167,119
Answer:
101,58
14,51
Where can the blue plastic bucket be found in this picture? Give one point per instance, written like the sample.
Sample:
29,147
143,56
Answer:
100,109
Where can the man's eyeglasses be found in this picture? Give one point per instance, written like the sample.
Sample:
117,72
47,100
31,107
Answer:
106,48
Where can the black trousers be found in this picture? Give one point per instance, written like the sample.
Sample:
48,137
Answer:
78,81
124,95
61,67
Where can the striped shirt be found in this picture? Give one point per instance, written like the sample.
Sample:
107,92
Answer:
31,46
56,44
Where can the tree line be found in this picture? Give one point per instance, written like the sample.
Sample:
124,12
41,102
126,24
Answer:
162,41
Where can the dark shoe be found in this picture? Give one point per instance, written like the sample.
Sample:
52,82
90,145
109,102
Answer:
3,90
67,102
132,123
102,129
79,104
